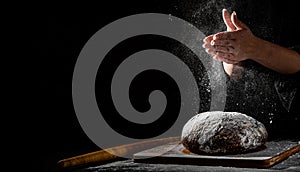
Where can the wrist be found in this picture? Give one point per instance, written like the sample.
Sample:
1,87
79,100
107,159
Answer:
263,50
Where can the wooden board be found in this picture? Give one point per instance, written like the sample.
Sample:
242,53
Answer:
265,157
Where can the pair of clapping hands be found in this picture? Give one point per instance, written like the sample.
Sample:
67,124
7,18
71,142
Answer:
238,43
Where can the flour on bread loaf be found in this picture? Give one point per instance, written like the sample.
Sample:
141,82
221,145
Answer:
223,132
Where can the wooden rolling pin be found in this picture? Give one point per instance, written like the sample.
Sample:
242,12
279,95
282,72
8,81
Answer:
122,151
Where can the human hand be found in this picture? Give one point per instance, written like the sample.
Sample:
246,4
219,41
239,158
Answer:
238,43
234,45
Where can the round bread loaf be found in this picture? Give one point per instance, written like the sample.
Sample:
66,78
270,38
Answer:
220,132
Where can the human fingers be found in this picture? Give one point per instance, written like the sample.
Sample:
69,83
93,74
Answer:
228,61
220,59
237,23
223,42
224,35
207,45
216,58
208,39
211,52
209,49
227,20
224,49
223,57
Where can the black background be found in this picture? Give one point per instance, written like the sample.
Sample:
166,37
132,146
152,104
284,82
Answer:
59,31
56,34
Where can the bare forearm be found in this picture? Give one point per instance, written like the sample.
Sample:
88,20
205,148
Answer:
238,43
277,58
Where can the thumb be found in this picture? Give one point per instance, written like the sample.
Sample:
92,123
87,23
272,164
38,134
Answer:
237,23
227,21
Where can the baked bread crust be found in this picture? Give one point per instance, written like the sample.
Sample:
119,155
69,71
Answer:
220,132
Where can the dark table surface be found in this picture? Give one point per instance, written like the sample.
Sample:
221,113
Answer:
290,164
